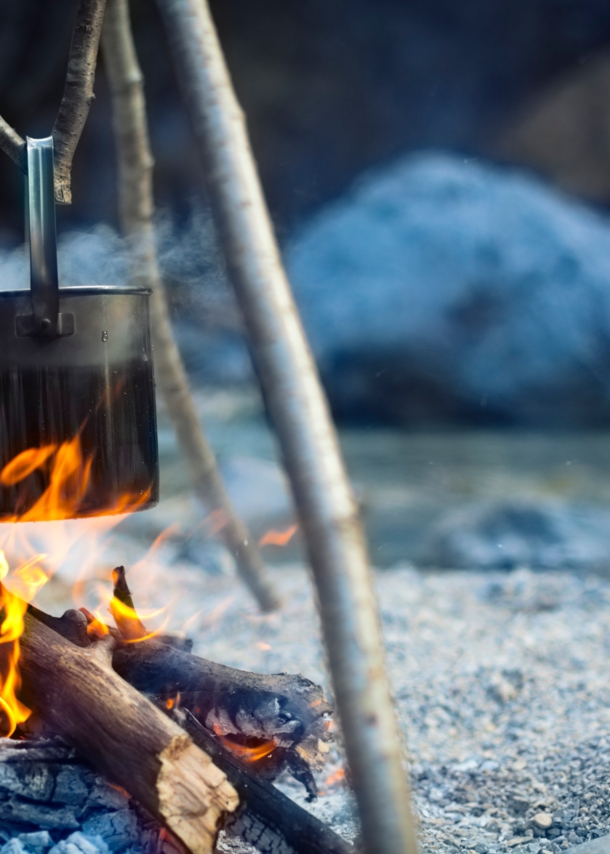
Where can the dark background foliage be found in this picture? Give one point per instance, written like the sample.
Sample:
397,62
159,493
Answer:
329,87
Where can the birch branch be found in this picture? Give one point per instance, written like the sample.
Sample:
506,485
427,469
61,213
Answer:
136,210
323,497
12,144
78,93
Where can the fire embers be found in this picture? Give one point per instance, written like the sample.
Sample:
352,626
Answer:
272,733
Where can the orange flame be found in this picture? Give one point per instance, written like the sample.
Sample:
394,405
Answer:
243,751
68,480
27,580
67,473
126,613
335,778
278,538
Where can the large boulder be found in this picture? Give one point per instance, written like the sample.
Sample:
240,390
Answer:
444,290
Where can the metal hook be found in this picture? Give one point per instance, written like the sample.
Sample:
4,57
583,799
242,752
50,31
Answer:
42,237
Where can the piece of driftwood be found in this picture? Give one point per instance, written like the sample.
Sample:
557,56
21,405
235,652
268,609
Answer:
326,506
266,817
136,205
76,101
79,697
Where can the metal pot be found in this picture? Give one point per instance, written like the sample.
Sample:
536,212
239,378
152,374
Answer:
78,431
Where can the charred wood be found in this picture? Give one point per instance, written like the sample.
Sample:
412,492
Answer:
265,818
79,697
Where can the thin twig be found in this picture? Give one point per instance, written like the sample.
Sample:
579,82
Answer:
12,144
323,497
78,93
137,207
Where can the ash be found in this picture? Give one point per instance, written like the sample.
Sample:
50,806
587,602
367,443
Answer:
52,803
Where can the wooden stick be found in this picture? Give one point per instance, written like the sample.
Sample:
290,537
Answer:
124,736
78,92
299,411
12,144
137,208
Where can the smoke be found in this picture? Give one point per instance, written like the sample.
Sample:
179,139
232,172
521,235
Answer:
206,321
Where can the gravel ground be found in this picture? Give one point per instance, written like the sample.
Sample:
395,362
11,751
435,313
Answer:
499,678
501,686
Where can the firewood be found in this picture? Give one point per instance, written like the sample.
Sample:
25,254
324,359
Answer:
79,697
236,704
286,716
266,817
233,704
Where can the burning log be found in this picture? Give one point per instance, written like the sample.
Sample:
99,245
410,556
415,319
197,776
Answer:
251,726
77,98
79,697
277,721
265,817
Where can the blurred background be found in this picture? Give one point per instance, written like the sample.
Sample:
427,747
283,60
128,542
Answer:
439,178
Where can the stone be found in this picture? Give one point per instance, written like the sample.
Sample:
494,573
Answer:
80,843
445,291
545,534
518,803
37,841
543,820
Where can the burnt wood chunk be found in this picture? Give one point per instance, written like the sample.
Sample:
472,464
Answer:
246,708
79,697
266,817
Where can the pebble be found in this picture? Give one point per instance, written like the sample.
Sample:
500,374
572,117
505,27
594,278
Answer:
543,820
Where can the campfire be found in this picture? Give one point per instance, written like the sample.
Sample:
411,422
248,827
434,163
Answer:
194,744
168,729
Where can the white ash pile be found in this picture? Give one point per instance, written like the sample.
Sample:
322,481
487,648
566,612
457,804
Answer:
53,803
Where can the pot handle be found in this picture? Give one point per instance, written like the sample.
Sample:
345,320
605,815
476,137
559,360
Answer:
41,230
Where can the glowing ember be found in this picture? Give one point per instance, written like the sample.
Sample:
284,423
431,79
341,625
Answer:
27,580
278,538
337,777
246,752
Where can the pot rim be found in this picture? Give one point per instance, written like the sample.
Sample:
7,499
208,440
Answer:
85,290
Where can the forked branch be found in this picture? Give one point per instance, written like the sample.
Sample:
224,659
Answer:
78,92
77,98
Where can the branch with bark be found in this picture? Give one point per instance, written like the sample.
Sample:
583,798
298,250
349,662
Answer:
136,203
76,101
327,509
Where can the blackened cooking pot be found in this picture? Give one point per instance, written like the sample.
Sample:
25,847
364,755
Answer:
78,430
